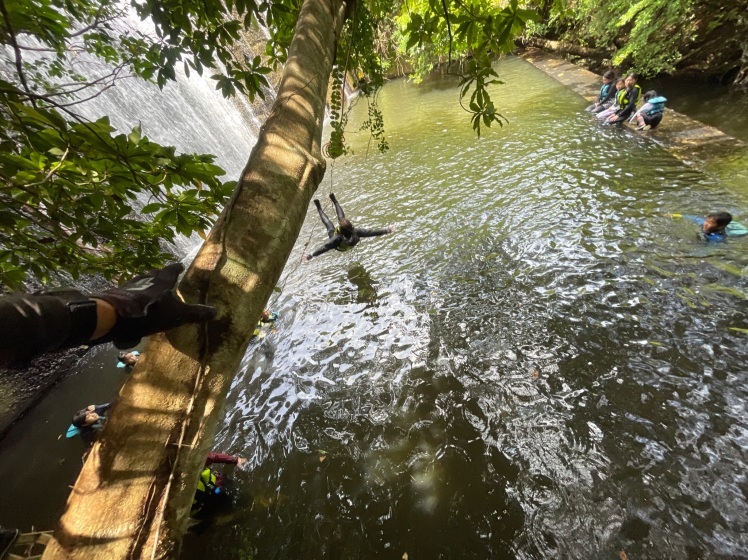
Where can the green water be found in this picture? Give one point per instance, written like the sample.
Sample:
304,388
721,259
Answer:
537,364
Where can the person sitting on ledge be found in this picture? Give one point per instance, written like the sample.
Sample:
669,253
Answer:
607,95
627,103
650,114
618,97
345,236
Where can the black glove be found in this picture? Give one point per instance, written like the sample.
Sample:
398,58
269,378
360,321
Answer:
147,305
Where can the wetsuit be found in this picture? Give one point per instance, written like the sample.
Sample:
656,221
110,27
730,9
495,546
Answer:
605,98
628,103
338,240
31,324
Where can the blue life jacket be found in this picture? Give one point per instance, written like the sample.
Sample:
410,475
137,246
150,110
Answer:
604,91
658,106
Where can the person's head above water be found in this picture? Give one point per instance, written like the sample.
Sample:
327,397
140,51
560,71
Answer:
85,417
716,222
346,227
128,358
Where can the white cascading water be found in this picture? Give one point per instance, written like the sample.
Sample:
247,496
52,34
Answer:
189,113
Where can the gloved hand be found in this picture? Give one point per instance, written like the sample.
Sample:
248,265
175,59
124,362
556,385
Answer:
147,305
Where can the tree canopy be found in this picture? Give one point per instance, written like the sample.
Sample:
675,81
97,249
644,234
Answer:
653,36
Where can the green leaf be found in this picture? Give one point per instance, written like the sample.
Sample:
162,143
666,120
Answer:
151,208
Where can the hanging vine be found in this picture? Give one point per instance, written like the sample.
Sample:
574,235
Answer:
338,116
356,63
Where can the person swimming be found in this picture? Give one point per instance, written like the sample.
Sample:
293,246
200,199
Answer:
716,226
267,318
345,236
88,423
127,359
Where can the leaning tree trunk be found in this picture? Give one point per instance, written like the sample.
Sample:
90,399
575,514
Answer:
133,496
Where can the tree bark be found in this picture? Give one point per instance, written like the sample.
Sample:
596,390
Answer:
567,48
133,496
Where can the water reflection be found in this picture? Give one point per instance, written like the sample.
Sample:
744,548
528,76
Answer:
364,283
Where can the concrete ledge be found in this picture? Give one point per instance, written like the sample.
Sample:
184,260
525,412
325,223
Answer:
684,137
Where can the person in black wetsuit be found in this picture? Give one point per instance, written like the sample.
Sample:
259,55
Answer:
345,236
629,100
89,423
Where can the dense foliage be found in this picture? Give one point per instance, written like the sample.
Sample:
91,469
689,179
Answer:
654,36
72,191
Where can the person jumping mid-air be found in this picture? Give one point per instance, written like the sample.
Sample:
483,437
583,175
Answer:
345,236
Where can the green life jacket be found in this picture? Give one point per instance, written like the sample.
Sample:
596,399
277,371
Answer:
206,485
620,97
625,98
344,246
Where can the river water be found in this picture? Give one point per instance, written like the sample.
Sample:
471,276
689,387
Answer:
537,364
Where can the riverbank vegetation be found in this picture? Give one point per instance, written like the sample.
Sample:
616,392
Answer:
705,38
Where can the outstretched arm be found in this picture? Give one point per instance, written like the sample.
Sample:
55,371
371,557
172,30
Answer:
34,324
31,324
374,232
332,244
224,458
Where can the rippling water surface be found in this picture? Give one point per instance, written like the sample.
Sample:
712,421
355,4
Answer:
537,364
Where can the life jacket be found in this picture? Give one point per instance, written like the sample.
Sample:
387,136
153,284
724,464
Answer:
625,98
344,245
206,486
658,106
604,91
620,97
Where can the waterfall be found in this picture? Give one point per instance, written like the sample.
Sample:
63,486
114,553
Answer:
189,113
